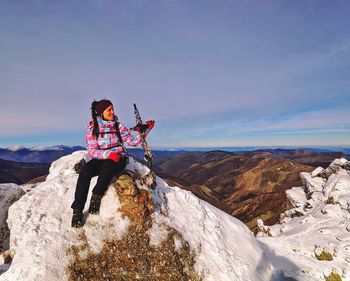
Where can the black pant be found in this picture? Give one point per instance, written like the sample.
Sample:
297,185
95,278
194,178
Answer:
106,169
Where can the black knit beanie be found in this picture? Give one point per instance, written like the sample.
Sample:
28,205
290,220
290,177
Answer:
102,106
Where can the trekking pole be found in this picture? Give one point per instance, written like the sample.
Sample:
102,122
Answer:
141,128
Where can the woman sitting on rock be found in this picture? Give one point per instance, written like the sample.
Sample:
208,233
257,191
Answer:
104,139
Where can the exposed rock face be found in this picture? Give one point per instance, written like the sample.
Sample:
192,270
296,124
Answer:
133,257
79,166
125,186
136,204
7,257
9,193
346,166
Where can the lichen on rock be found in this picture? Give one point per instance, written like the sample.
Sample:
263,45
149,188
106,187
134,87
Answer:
133,257
323,254
330,274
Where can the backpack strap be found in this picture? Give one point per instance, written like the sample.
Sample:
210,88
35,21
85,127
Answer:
117,131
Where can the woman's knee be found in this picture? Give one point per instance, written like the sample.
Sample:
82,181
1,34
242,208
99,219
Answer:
114,167
90,169
123,162
121,165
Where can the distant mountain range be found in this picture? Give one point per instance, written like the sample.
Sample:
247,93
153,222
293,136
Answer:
37,154
246,184
19,172
41,154
20,164
345,149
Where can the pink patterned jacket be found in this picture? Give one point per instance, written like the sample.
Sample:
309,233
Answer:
108,141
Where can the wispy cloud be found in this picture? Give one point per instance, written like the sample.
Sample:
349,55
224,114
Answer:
203,71
294,127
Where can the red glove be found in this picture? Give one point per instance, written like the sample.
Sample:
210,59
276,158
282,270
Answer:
150,124
114,156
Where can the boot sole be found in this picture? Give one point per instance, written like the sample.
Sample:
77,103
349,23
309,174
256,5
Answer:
77,225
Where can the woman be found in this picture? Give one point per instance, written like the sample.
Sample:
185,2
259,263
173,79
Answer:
104,139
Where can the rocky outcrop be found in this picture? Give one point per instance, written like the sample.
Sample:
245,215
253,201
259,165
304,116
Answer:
143,232
9,193
334,167
135,203
316,229
133,257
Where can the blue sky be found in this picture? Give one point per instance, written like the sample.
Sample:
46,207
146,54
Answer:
211,73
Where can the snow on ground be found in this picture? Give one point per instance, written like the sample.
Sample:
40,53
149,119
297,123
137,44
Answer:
227,250
40,225
27,187
319,222
41,233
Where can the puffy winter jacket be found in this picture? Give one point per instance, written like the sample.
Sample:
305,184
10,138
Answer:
104,144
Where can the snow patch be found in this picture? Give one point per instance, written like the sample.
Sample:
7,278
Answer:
225,248
322,225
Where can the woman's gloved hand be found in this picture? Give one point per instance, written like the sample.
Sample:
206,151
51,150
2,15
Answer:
114,156
150,124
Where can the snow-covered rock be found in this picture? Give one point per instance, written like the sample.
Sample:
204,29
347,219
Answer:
264,229
316,172
346,166
299,244
9,193
312,184
334,167
41,234
296,196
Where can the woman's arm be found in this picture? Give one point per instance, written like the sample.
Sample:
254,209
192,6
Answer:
129,138
132,140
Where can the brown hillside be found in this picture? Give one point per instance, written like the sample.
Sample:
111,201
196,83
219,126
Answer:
248,187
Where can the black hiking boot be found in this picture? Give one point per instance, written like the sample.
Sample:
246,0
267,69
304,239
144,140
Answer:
95,204
77,219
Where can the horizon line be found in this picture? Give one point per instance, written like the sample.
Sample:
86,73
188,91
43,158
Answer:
17,147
